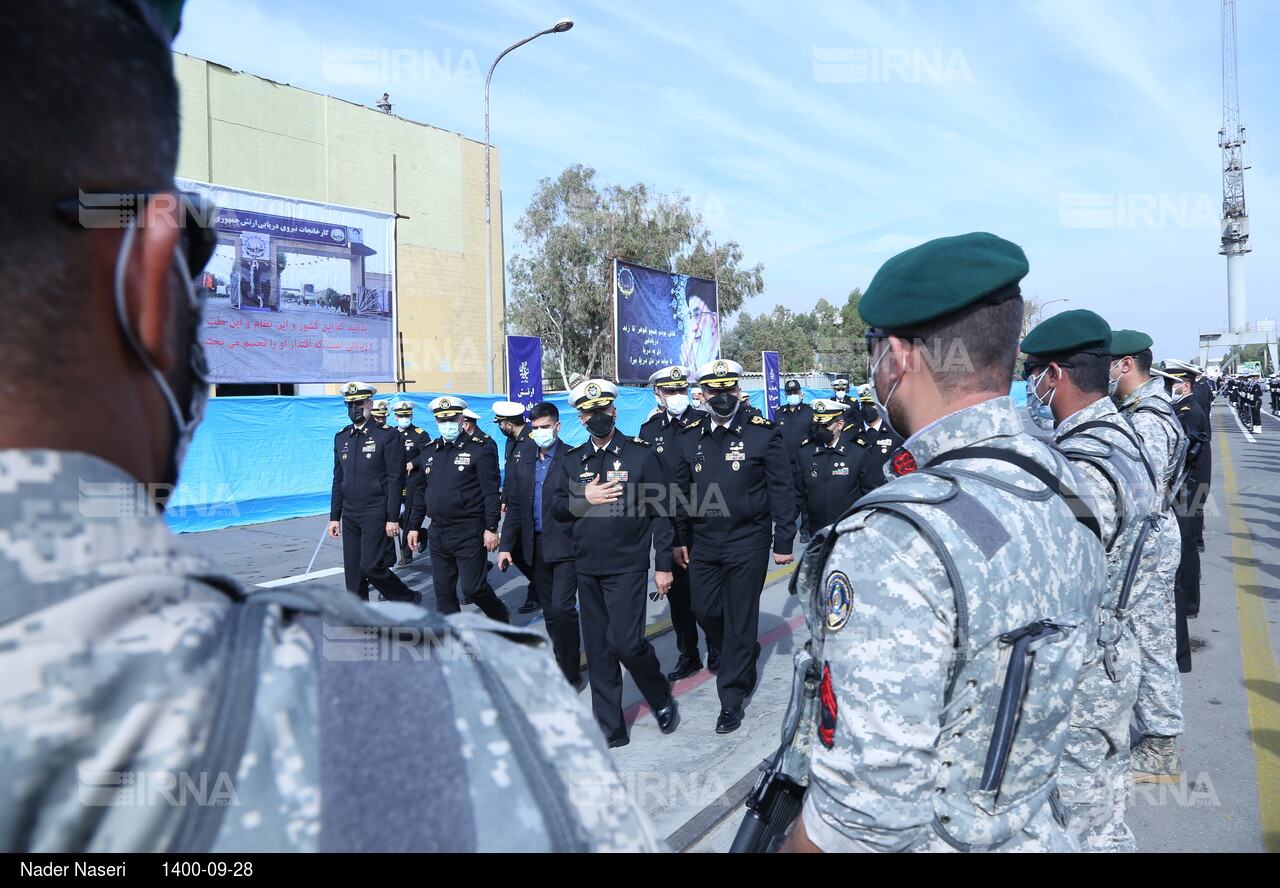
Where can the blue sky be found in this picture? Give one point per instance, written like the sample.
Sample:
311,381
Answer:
826,137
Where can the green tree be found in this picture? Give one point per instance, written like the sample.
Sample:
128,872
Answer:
560,276
782,332
839,338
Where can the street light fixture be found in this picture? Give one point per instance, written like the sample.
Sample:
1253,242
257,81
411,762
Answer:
558,28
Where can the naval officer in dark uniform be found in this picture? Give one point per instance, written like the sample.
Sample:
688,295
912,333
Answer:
829,465
736,476
364,507
509,417
459,493
878,441
1189,505
794,419
607,491
662,431
415,438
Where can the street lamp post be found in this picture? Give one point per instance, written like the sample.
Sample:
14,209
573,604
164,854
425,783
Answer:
558,28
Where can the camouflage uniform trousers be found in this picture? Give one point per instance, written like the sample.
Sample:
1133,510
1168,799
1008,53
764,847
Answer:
1095,780
1159,708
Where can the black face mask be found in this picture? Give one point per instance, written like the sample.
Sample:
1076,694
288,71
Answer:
823,434
600,425
869,413
356,412
722,403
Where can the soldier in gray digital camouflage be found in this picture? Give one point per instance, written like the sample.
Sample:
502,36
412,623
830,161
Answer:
1158,713
1066,365
149,702
952,609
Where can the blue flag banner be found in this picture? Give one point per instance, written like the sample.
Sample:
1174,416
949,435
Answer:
524,370
772,383
661,318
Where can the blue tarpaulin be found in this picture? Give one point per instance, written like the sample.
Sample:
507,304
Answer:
263,459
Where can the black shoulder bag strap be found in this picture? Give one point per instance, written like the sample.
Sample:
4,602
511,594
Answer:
1037,471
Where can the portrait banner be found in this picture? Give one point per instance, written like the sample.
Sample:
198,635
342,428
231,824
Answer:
662,318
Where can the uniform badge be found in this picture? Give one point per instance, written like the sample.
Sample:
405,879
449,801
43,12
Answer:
659,448
617,464
814,473
610,477
839,600
903,463
593,391
344,456
734,465
697,467
720,368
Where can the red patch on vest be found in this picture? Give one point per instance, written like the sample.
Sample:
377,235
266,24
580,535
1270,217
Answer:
903,463
827,727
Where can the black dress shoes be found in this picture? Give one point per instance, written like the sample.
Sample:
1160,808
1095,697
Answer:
668,716
619,741
713,659
729,720
685,667
530,605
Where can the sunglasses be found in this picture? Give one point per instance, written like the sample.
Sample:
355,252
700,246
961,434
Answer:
124,209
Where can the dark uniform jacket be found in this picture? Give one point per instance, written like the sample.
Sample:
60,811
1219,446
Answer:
522,482
459,483
828,477
511,446
794,422
663,433
368,472
879,445
415,438
738,486
1195,422
614,538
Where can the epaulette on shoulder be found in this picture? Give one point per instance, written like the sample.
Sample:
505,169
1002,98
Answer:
641,441
575,448
760,420
477,439
806,442
418,430
1180,409
693,423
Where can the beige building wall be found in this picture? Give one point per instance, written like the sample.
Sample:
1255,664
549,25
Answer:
245,132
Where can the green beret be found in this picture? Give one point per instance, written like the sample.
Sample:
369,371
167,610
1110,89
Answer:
941,277
1069,332
1129,342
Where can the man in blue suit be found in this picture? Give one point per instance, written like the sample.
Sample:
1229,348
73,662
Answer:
545,542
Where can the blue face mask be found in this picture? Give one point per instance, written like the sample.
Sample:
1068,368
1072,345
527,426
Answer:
448,430
404,421
793,400
543,437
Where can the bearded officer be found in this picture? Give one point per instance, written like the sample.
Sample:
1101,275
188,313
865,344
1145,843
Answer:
1066,370
459,493
606,492
740,483
364,506
662,431
969,559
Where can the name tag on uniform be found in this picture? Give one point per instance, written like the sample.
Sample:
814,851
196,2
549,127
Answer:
610,477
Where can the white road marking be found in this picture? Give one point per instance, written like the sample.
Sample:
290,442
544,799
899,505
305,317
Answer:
1236,417
300,578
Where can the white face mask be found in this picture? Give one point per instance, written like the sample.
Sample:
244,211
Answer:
1114,381
186,417
883,406
1040,411
677,403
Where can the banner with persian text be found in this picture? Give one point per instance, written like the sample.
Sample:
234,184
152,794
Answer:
297,291
772,383
661,318
524,370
